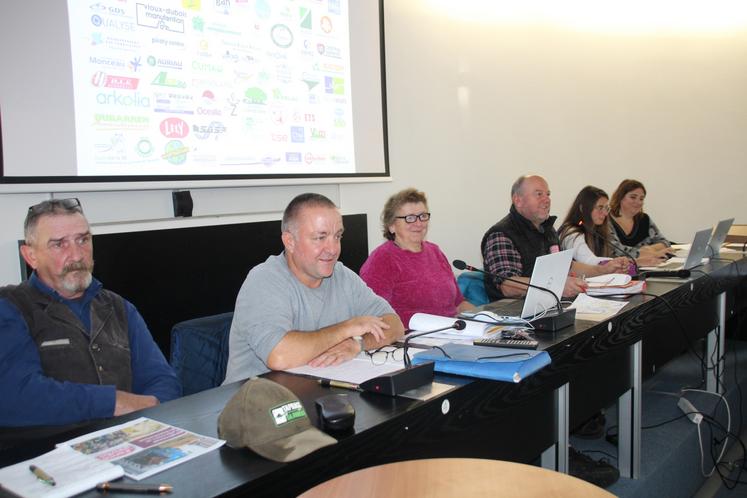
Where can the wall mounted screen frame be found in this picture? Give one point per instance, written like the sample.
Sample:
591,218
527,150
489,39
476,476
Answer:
38,104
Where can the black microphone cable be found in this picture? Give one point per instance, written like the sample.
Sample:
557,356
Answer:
614,246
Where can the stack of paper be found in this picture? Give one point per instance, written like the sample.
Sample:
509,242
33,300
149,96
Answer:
423,322
614,283
595,309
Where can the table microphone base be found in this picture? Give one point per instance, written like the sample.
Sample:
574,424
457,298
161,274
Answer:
395,383
554,321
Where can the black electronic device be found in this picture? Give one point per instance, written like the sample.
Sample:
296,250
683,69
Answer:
395,383
666,274
502,342
335,412
410,377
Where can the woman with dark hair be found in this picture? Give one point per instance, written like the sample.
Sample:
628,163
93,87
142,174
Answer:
586,231
633,229
408,271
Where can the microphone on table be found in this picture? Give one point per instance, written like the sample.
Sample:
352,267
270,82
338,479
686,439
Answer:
461,265
553,320
614,246
666,274
412,376
457,325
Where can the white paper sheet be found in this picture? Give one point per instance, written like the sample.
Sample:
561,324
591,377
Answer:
73,473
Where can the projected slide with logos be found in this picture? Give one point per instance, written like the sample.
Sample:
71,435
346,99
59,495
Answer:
222,86
150,90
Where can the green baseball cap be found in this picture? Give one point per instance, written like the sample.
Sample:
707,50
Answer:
269,419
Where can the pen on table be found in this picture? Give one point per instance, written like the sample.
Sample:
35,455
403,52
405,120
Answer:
340,384
41,475
131,487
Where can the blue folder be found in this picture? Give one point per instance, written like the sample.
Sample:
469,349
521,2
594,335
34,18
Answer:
508,365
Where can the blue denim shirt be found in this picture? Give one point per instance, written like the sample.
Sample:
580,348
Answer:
30,398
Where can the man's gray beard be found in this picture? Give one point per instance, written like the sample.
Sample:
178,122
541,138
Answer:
74,283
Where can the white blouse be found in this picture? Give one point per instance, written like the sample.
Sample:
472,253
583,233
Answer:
581,250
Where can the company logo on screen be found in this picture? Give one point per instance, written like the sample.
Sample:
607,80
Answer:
223,6
277,94
328,51
283,73
144,147
111,10
255,95
151,16
293,157
104,121
333,6
333,85
281,36
330,67
164,62
174,128
203,132
326,24
102,79
167,43
107,61
114,43
173,103
135,64
163,79
304,14
208,112
175,152
298,134
310,158
279,137
205,67
118,24
123,100
317,134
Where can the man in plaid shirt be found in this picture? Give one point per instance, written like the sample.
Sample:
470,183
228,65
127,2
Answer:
510,247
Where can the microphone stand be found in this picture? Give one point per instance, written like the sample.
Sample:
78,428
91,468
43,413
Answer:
458,325
551,321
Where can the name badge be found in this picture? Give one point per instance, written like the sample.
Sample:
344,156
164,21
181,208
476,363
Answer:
56,342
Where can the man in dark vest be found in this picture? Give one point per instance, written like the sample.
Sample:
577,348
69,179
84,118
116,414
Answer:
510,247
71,350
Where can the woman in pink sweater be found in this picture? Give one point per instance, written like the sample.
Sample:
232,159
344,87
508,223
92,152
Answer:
408,271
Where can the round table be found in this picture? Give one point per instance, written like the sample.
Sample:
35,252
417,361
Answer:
455,477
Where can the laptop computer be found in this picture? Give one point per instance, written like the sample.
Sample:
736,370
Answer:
550,271
718,237
694,258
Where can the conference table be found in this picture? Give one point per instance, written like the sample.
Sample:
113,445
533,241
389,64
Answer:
594,365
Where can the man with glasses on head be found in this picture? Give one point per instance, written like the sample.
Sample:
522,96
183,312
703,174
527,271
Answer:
303,306
72,351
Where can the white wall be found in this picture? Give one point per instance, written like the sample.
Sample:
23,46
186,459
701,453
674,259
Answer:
472,105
